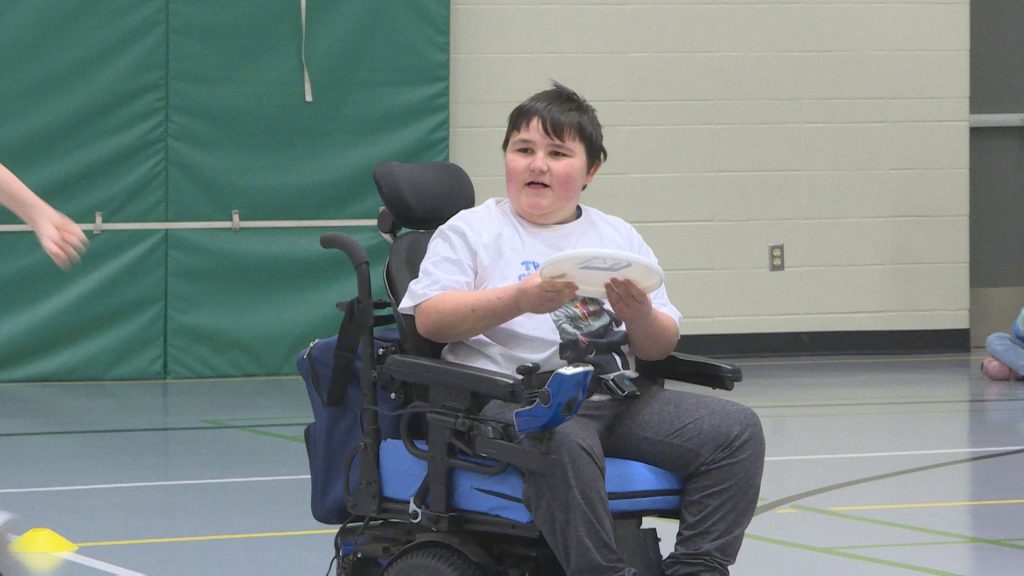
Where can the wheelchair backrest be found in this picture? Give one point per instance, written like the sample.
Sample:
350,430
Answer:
418,198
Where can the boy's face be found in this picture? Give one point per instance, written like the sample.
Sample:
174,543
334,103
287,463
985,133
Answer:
544,177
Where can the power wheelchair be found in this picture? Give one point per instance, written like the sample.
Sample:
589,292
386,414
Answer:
431,487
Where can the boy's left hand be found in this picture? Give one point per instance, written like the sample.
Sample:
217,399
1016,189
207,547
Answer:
628,301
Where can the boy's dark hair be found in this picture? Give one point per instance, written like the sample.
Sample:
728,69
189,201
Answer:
563,114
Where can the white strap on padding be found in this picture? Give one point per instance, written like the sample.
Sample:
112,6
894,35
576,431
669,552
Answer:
305,69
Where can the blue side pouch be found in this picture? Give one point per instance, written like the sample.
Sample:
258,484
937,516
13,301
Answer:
336,430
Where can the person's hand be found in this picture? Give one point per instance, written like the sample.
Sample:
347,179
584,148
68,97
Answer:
541,296
61,239
628,301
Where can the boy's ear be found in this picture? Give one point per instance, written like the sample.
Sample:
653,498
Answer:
593,171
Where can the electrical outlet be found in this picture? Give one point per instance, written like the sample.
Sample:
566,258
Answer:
776,257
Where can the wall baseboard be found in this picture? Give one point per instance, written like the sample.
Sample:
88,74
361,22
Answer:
828,343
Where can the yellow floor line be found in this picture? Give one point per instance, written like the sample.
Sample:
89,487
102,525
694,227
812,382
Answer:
205,538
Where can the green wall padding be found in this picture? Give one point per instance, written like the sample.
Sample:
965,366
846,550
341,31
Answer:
240,135
249,312
83,105
184,110
104,320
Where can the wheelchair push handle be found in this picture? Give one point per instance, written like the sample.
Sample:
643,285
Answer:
347,244
360,263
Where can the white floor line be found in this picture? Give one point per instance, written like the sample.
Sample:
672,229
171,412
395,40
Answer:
147,484
881,454
306,476
99,565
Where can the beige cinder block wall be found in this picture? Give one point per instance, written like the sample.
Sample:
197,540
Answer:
838,128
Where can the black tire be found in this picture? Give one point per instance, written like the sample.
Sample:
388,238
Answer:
433,561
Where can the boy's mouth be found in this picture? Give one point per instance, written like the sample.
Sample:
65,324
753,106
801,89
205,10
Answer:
536,184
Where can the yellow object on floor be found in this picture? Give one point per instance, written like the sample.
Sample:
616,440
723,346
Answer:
42,540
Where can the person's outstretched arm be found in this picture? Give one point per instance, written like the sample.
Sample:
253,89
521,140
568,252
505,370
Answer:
59,236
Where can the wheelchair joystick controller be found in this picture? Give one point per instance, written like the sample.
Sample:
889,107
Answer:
528,370
556,401
529,381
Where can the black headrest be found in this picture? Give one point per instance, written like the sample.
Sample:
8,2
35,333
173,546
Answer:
425,195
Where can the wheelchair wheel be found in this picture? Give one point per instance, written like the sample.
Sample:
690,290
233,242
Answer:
433,561
360,567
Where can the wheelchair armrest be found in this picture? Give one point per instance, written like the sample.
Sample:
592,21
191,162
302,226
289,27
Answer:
694,370
431,371
483,440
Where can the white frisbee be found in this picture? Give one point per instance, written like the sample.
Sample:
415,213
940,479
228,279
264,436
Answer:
591,269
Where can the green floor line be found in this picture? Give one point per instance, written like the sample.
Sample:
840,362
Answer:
898,545
899,525
284,378
850,556
258,431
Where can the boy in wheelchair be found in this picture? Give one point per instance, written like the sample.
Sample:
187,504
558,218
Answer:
479,292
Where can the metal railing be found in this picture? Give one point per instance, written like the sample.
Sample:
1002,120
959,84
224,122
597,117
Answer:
236,223
996,120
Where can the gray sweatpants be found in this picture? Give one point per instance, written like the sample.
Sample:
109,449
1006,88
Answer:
715,445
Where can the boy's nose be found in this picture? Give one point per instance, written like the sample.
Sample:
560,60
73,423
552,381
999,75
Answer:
537,164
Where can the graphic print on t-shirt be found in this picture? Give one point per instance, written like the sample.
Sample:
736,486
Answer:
529,267
591,333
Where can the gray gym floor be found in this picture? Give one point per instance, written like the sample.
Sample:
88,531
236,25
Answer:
876,465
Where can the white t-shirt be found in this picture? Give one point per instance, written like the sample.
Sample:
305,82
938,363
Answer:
489,246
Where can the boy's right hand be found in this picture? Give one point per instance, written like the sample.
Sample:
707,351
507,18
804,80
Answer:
540,296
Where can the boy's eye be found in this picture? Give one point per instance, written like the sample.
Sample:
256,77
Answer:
523,150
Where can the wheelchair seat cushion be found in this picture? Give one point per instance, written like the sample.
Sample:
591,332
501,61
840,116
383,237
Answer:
633,487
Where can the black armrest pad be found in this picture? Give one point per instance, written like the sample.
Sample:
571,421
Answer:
695,370
430,371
